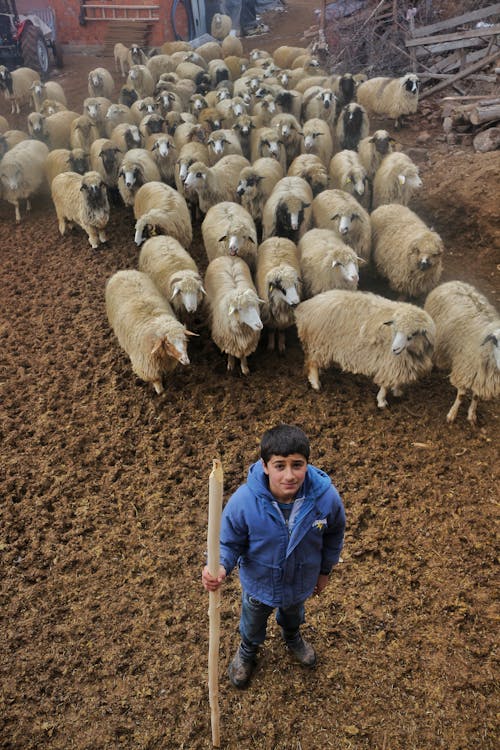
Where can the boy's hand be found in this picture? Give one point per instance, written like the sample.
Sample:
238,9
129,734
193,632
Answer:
321,584
210,583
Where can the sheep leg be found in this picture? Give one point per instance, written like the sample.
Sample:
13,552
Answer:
102,235
381,398
28,205
397,391
471,414
230,362
244,366
93,238
270,340
158,386
313,375
62,224
281,342
18,213
452,414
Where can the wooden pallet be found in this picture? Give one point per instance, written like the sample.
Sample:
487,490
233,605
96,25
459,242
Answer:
127,32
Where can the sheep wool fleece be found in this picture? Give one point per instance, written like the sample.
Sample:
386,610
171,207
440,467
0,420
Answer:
279,566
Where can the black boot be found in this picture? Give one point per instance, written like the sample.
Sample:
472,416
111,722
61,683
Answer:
240,670
302,650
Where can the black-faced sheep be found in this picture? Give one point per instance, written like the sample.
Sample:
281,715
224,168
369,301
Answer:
16,86
256,184
279,285
287,212
160,209
228,229
312,170
405,251
352,126
64,160
106,158
174,272
235,323
390,97
326,262
341,212
126,136
145,326
215,184
347,173
467,343
366,334
317,139
344,88
143,107
83,200
137,168
22,172
396,180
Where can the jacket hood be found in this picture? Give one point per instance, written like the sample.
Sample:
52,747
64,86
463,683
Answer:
315,484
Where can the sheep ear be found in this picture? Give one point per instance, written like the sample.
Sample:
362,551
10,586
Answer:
232,310
202,290
388,322
223,239
305,205
490,337
157,346
175,292
251,239
84,187
401,179
361,260
190,333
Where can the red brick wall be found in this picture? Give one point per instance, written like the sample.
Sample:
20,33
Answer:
69,30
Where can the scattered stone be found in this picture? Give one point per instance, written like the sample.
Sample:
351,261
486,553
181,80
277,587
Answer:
418,154
488,140
423,137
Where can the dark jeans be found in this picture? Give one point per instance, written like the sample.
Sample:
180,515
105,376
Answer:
253,623
243,13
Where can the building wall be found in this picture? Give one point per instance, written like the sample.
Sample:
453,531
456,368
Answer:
70,31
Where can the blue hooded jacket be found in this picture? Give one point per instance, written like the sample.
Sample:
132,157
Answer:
279,565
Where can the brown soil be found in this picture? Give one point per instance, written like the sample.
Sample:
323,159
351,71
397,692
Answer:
104,511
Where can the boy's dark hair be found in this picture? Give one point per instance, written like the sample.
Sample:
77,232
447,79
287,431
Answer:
283,440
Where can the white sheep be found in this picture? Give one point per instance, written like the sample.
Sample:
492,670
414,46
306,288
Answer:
145,326
352,126
233,303
372,149
117,114
120,54
4,124
347,173
165,155
396,180
287,212
83,200
390,97
22,172
174,272
317,139
256,184
320,102
231,46
137,168
223,142
83,132
188,155
366,334
101,83
209,51
279,285
312,170
10,138
285,55
50,106
126,136
228,229
160,64
215,184
64,160
142,107
106,158
467,342
405,251
266,141
220,26
39,91
159,208
96,108
16,86
54,130
140,79
326,262
341,212
289,130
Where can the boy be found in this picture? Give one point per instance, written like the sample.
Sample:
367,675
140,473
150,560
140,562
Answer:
285,529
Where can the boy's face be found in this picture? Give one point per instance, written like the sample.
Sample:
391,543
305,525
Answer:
286,474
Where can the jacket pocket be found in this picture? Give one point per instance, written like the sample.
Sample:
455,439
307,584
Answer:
259,578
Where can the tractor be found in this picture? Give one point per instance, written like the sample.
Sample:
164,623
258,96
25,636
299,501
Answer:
26,41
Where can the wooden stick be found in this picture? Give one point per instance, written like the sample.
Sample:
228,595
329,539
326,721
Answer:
215,492
463,74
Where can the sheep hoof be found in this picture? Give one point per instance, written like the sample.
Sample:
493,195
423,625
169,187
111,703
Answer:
158,386
102,237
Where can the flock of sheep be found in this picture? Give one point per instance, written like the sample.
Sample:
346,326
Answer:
295,197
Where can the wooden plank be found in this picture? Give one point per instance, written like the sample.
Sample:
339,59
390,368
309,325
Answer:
436,49
471,34
449,23
462,74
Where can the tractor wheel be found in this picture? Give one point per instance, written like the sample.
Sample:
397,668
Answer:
34,50
58,54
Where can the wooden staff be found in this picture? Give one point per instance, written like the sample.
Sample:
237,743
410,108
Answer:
215,490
